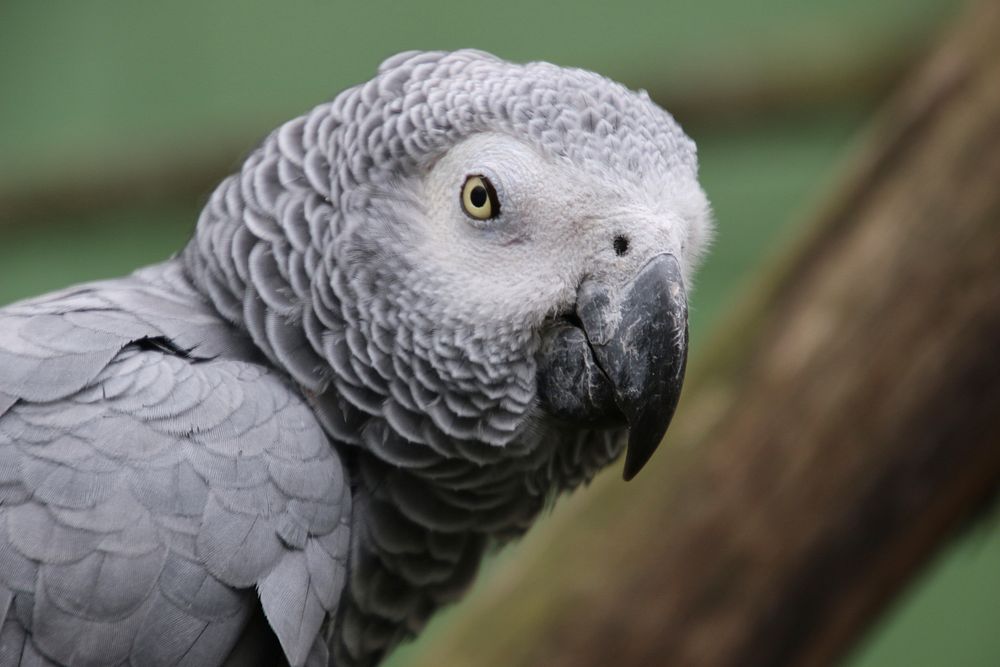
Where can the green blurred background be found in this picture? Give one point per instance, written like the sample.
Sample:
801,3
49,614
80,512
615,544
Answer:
116,117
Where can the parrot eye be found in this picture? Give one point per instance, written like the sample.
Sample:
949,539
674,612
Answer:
479,198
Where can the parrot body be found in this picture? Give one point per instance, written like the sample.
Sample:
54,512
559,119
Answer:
414,316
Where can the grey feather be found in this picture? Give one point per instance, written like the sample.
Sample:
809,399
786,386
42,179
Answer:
102,586
6,599
172,638
111,559
12,639
192,589
17,572
70,639
292,606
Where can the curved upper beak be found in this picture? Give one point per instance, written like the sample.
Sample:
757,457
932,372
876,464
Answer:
632,361
641,345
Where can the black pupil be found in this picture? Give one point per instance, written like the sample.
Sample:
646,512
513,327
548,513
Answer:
478,196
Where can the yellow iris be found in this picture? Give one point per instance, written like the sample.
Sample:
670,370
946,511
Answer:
479,198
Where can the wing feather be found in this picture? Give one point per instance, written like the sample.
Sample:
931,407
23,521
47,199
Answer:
150,498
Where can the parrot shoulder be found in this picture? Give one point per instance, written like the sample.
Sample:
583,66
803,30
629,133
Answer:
157,485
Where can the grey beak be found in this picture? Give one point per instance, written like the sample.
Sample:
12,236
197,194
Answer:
638,335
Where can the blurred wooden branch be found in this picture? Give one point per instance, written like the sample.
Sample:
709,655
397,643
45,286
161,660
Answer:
733,93
185,176
720,93
839,430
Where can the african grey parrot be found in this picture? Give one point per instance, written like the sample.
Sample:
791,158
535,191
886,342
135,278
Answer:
415,314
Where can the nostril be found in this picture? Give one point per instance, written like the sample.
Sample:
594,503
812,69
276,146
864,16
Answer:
621,245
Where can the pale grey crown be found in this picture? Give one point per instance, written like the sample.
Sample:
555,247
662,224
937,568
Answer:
422,103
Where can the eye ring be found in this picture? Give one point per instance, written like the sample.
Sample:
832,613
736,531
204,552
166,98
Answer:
479,198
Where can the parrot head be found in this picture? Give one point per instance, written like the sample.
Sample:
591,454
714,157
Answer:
552,219
467,250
